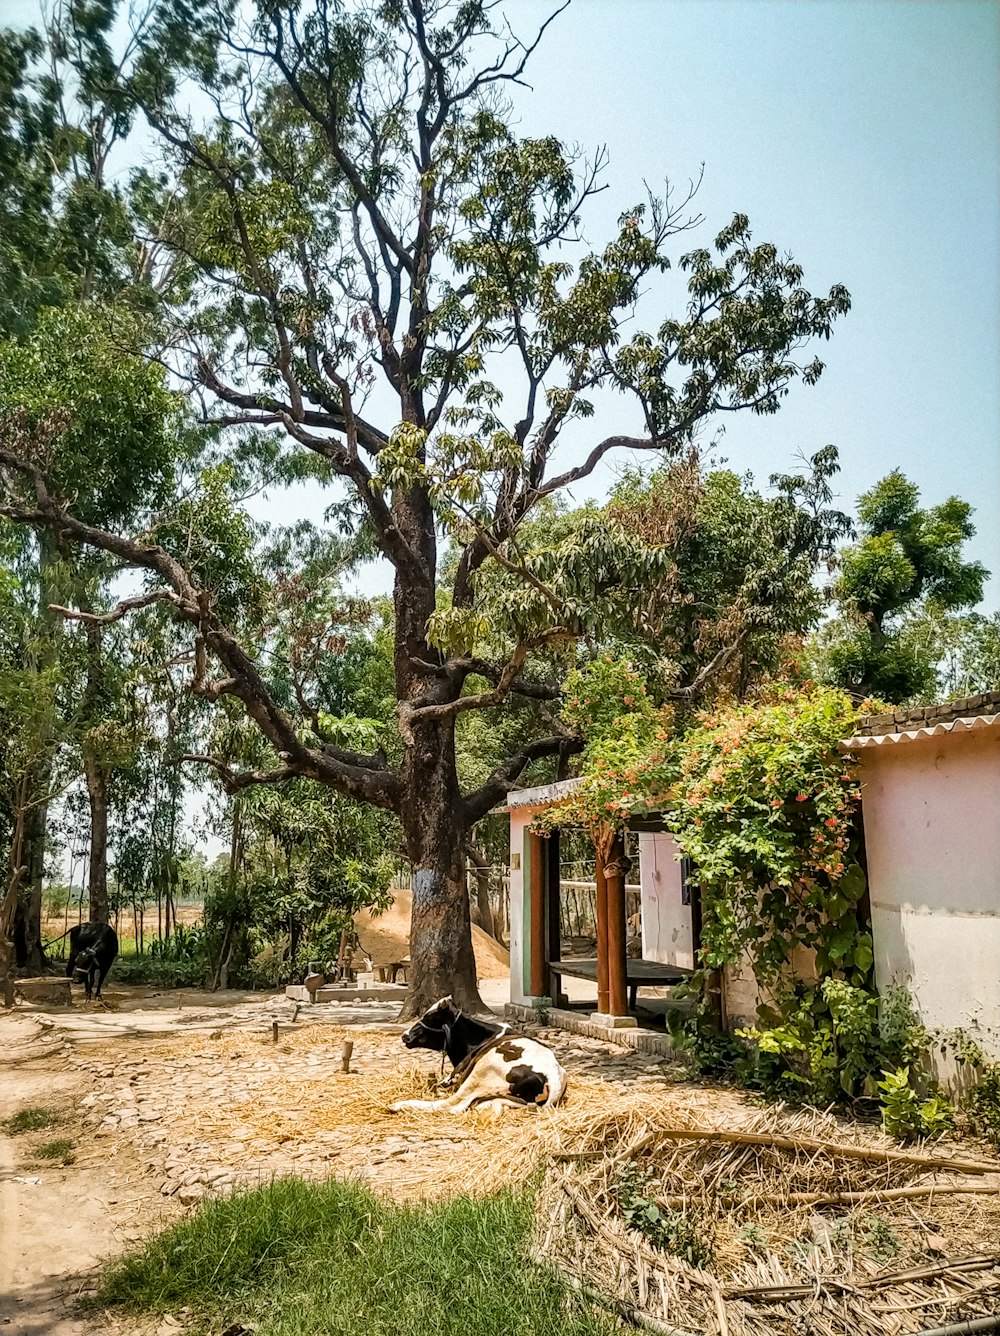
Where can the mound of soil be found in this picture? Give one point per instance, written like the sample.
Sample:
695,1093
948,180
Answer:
386,938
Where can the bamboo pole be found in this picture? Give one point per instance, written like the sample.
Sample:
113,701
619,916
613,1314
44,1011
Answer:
874,1154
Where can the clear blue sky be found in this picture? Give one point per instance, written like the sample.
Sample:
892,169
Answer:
864,138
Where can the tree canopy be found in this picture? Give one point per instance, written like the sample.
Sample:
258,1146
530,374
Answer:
907,564
366,276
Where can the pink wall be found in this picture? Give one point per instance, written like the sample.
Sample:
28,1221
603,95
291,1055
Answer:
931,810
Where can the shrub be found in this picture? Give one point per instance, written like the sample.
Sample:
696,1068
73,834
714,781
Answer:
905,1115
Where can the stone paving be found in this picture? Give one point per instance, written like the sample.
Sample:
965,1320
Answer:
213,1109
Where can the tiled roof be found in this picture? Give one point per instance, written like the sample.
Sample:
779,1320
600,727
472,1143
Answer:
928,716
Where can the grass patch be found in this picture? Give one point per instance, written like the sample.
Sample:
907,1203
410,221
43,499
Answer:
294,1259
61,1149
30,1120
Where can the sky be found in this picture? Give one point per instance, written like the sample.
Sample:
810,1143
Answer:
863,139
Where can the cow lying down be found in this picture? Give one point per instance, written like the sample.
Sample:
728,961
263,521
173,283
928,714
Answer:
492,1067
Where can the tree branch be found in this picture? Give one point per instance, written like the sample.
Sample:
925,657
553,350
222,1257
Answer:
485,798
192,604
121,610
235,781
506,678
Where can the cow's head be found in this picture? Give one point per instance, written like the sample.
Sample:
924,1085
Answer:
85,963
433,1027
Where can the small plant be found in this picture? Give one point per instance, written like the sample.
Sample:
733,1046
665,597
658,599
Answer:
982,1104
29,1120
905,1115
707,1049
671,1231
879,1238
61,1149
754,1237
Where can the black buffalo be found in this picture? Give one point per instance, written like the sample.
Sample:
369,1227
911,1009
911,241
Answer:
92,951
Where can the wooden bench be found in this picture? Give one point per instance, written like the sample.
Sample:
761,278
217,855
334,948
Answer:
638,973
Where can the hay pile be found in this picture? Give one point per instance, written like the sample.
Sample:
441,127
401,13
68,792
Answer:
782,1209
386,939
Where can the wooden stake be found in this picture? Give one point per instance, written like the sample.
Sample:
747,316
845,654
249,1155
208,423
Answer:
274,1032
345,1054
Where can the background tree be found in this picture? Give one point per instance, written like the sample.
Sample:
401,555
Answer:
360,241
904,575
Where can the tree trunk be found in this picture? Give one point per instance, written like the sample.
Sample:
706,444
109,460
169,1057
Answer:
443,963
481,872
28,914
97,882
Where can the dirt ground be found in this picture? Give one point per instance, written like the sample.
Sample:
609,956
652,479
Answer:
170,1097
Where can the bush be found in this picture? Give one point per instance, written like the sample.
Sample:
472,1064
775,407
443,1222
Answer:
905,1115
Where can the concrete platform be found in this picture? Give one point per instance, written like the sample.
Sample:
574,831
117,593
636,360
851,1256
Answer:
46,988
636,1037
373,992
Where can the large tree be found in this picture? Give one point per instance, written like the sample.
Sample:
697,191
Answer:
362,251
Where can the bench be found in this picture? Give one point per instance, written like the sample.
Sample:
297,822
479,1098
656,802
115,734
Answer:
638,974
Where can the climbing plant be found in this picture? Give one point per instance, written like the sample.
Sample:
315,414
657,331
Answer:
764,805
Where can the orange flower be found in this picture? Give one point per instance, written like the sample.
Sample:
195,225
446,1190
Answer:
831,822
775,802
801,797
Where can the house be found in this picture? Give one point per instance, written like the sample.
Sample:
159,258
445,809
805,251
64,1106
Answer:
930,797
930,784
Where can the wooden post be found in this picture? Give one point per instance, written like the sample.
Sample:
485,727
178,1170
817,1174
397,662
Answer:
536,889
616,913
553,896
601,904
345,1054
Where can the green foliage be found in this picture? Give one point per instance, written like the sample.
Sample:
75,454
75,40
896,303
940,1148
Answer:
62,1149
627,763
676,1232
740,580
905,1115
30,1120
763,804
907,566
878,1237
293,1258
121,445
982,1102
825,1047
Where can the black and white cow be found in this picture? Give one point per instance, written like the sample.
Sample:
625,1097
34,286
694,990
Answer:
92,951
491,1065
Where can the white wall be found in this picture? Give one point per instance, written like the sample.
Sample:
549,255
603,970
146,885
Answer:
666,922
520,819
932,830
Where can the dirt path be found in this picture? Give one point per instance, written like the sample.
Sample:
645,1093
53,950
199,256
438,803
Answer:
56,1223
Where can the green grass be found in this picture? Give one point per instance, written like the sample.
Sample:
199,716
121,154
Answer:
61,1149
30,1120
296,1259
